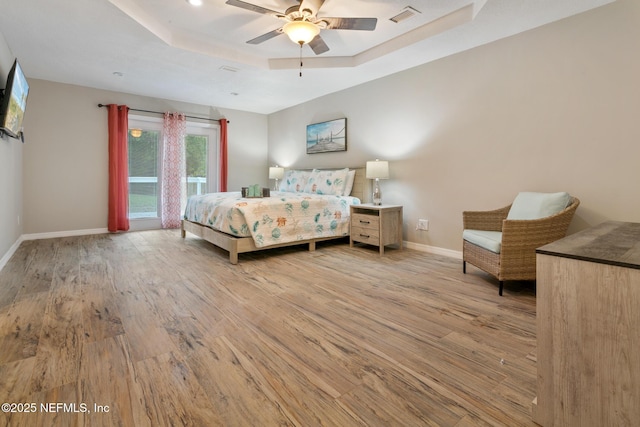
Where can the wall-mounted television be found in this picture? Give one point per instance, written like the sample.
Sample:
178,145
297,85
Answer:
14,102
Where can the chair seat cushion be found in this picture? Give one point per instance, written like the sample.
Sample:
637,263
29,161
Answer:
490,240
529,205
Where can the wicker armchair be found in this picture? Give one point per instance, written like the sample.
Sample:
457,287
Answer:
520,238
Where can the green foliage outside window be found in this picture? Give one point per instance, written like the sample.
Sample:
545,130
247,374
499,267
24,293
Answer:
143,163
196,152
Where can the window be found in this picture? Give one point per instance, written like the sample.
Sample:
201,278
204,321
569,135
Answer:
145,166
196,158
201,146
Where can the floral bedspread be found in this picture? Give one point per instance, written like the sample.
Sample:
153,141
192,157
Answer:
284,217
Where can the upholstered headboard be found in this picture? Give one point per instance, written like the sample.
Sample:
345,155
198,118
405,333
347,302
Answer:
361,185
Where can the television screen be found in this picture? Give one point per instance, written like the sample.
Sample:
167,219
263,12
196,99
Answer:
14,101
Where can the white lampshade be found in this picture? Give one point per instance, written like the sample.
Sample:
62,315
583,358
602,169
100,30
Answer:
301,32
276,172
378,169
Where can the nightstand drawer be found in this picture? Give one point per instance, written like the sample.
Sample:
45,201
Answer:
365,221
365,235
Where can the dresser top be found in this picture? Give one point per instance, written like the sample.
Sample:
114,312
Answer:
612,242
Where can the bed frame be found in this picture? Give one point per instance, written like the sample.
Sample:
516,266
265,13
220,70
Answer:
237,245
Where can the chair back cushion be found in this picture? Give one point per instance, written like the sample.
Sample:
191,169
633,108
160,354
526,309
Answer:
529,205
490,240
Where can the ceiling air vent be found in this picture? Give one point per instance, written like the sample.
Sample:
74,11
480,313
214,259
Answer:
407,12
228,68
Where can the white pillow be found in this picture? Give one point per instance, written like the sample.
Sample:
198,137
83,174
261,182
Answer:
327,182
348,186
294,181
528,205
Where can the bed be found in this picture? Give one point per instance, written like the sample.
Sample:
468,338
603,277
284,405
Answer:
306,210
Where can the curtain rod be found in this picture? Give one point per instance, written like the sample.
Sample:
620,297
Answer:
160,112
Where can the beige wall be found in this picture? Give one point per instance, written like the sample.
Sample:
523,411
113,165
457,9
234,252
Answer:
10,173
552,109
66,157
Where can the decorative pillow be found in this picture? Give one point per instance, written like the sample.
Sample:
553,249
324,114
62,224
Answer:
528,205
348,186
294,181
327,182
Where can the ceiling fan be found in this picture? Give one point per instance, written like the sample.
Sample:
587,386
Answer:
303,25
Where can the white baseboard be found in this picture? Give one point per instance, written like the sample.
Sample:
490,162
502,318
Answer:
69,233
434,250
5,259
38,236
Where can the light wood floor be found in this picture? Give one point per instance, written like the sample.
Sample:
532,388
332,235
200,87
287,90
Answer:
164,331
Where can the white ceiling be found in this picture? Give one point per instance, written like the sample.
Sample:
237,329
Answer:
172,50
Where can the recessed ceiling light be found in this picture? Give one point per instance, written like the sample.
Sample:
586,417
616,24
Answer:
195,2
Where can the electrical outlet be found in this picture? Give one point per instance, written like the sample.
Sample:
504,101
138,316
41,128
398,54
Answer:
423,224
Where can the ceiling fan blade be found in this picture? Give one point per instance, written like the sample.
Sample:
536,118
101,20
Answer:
265,37
318,45
365,24
252,7
313,6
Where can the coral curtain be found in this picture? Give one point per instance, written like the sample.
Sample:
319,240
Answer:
174,181
118,218
223,155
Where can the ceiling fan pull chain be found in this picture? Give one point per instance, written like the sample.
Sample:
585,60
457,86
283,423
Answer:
301,59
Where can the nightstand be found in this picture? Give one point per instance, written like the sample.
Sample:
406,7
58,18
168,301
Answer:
376,225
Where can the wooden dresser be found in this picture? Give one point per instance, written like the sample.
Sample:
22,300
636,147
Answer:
588,328
376,225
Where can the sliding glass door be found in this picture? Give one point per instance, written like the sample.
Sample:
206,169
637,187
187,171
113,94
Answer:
145,167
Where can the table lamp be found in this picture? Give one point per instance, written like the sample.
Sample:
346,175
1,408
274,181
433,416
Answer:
378,169
276,172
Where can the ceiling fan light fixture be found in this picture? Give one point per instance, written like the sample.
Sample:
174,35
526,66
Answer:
301,32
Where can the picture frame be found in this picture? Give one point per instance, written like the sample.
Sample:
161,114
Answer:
327,137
